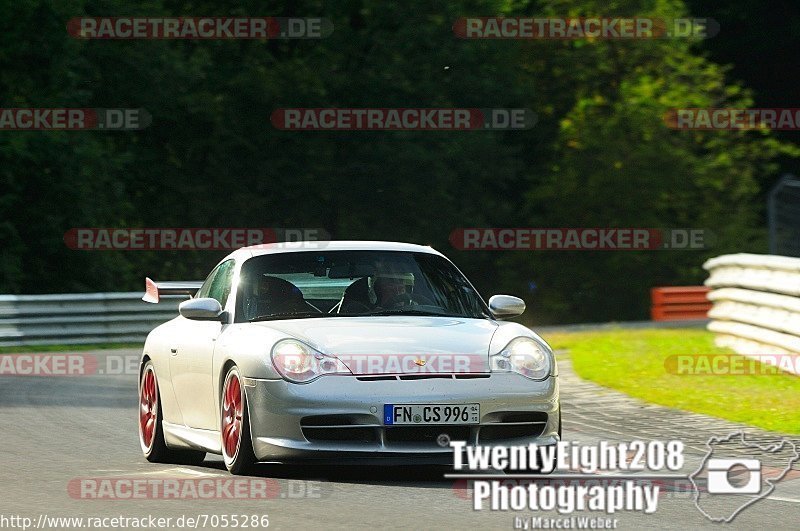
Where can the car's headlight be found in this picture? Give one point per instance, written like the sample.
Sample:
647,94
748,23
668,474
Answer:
299,363
525,356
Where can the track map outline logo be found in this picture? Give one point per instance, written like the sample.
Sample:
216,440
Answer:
719,484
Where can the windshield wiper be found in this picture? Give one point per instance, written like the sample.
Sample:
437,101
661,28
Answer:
281,315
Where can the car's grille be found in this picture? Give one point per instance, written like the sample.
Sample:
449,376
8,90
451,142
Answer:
425,434
426,376
512,426
348,434
342,428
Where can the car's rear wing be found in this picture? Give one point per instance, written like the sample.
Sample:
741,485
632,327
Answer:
153,290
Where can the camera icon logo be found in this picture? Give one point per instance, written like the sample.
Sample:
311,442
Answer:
723,476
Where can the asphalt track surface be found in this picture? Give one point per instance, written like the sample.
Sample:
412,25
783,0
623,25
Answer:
56,430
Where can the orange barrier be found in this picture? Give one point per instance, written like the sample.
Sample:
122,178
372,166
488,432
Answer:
679,303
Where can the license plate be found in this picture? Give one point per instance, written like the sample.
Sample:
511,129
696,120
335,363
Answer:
397,414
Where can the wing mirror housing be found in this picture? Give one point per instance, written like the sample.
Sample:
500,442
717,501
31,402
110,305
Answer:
202,309
505,306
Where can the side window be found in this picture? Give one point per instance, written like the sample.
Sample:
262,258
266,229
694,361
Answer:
221,284
204,289
218,284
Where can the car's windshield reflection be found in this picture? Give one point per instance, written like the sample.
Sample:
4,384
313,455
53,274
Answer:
354,283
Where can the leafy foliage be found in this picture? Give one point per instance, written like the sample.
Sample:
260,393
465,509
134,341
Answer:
599,155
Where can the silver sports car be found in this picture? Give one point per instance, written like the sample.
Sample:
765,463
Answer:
345,352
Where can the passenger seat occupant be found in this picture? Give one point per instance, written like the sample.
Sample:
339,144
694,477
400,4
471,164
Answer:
270,295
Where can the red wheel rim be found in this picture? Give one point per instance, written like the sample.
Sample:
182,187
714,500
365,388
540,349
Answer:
148,407
231,416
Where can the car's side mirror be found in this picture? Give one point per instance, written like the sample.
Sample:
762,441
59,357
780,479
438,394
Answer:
503,306
203,309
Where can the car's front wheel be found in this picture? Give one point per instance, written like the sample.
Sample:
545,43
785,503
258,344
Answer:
151,432
237,445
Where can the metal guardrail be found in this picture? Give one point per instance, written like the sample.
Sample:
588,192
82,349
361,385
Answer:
81,318
756,309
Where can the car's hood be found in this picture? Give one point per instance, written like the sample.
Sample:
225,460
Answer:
398,344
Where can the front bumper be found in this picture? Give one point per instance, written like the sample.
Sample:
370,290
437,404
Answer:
340,418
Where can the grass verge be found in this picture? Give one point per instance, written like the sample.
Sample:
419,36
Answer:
641,363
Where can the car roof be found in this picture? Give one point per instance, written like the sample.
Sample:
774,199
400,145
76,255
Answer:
333,245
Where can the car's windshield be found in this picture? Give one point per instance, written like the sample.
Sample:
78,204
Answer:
353,283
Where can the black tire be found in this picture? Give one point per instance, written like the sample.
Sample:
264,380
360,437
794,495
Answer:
243,460
156,450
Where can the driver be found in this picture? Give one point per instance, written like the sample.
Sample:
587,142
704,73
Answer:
393,289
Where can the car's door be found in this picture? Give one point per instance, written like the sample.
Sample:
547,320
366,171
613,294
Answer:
192,355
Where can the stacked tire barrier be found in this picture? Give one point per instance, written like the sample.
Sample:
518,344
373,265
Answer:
756,303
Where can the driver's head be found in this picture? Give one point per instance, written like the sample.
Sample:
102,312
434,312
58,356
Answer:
260,286
389,285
